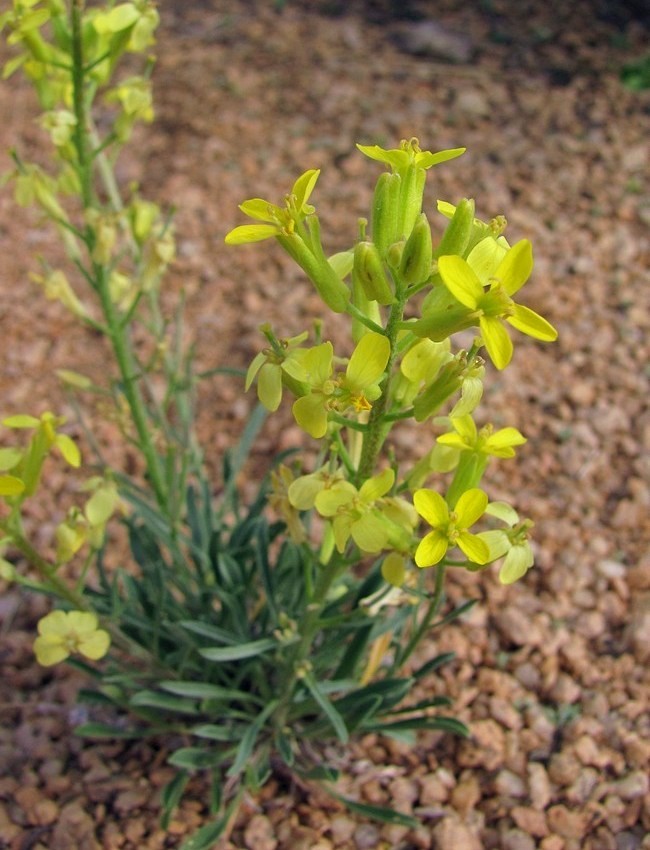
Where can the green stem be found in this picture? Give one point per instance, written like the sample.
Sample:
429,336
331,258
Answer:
375,435
308,628
115,330
423,628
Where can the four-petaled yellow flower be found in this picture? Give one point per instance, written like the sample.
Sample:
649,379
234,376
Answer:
357,388
450,528
466,437
62,633
489,296
276,220
512,542
409,153
367,515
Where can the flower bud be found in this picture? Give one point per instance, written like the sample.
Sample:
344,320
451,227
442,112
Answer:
385,212
415,265
410,200
436,394
456,237
369,270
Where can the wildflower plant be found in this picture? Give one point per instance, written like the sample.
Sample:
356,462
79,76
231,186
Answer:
255,630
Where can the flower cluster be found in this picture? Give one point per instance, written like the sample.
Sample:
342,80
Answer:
402,366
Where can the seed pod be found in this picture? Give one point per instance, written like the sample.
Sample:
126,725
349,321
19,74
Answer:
369,270
456,237
415,265
385,212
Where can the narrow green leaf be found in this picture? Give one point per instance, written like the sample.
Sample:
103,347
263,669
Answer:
217,733
338,724
195,758
104,730
171,795
377,812
249,738
434,664
443,724
205,838
208,631
455,614
235,653
204,690
166,702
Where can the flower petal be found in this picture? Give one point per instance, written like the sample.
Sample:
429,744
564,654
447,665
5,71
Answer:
497,542
368,361
251,233
497,341
516,267
460,280
341,526
485,257
256,364
10,485
317,362
431,549
329,501
470,507
476,549
54,623
500,444
518,560
503,511
269,386
369,532
529,322
431,507
427,159
69,449
304,186
377,486
311,415
393,569
303,491
260,209
49,651
96,645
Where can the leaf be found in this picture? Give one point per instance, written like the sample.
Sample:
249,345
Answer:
455,614
217,733
242,650
376,812
171,795
338,724
443,724
237,457
208,631
195,758
103,730
204,690
205,838
151,699
434,664
249,738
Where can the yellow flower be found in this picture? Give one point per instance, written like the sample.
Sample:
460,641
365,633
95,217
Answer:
467,438
488,294
357,388
62,633
450,528
409,154
276,220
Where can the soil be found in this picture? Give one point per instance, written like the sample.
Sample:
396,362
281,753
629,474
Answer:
550,674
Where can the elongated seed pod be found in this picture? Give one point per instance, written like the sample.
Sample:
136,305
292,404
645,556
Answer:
370,271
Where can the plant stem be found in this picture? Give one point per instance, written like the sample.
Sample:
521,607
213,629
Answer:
115,330
375,435
422,629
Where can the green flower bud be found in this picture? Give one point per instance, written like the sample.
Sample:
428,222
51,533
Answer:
456,237
410,200
445,385
415,265
385,211
369,308
394,256
369,270
468,475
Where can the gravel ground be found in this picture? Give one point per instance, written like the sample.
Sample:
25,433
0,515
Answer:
551,674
